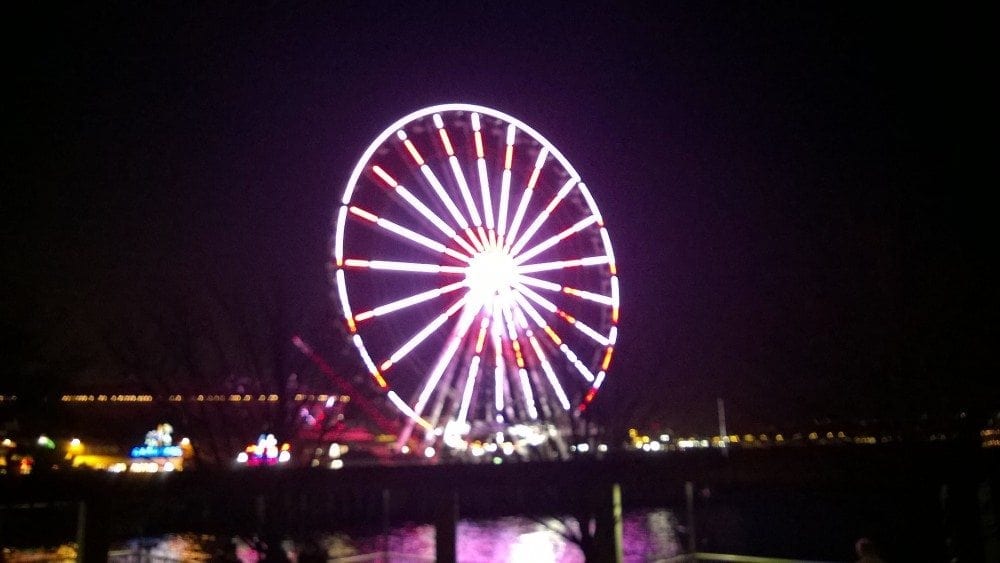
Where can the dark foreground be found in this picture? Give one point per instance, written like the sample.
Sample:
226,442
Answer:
923,503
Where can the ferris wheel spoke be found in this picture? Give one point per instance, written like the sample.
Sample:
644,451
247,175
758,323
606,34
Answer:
590,296
543,216
505,181
550,373
470,382
567,352
405,409
463,186
407,233
529,398
394,266
540,283
522,373
555,239
458,334
526,197
432,179
561,264
422,335
554,287
407,302
470,386
484,182
416,204
499,366
548,305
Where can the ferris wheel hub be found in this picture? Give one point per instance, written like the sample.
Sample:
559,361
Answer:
490,273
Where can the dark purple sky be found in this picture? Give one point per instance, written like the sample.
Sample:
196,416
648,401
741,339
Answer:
796,192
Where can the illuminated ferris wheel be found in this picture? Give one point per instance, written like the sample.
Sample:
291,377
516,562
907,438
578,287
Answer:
475,275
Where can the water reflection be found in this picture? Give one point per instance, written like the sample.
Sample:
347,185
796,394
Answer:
645,535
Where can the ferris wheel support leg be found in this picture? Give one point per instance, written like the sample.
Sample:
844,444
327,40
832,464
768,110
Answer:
404,435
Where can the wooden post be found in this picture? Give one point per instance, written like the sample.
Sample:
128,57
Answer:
385,523
616,523
446,529
689,498
93,534
607,508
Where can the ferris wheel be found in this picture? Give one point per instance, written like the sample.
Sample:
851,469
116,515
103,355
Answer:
475,276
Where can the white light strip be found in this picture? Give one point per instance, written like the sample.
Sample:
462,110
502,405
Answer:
392,266
562,347
423,334
408,234
543,302
360,345
599,380
607,249
405,409
504,202
342,294
561,264
535,282
532,312
589,296
591,203
518,215
338,245
408,301
461,242
461,329
425,211
470,383
543,216
444,197
596,336
463,187
529,398
550,374
548,305
586,373
484,190
509,323
553,240
498,370
526,196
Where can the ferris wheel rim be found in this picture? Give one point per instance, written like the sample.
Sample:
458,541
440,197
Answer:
366,159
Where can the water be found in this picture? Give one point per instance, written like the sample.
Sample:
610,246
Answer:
645,535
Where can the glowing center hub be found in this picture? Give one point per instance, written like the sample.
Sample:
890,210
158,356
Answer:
490,272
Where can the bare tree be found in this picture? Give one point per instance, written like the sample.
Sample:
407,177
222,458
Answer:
220,341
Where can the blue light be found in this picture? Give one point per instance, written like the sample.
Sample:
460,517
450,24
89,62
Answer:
156,451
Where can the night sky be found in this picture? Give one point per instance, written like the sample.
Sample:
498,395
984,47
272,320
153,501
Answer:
796,192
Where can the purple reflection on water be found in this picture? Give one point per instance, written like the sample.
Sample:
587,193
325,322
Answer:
644,534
